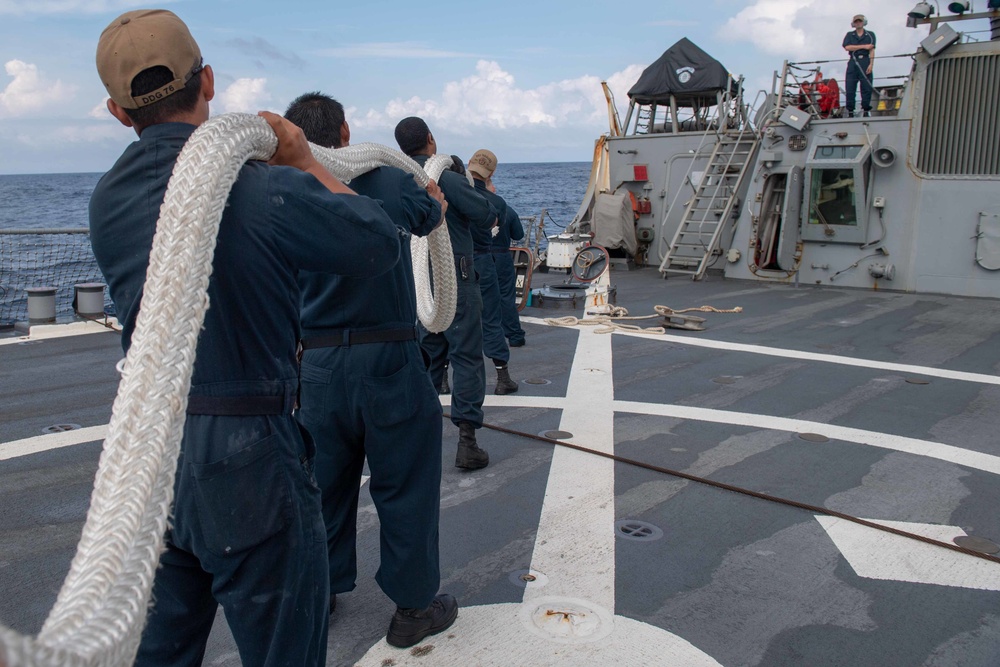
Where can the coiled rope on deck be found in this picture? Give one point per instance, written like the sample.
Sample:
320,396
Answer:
615,320
99,614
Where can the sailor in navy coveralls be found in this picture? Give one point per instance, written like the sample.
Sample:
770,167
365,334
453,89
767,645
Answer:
511,229
462,343
246,529
365,391
860,46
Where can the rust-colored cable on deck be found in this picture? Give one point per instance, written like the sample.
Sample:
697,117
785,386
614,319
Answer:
747,492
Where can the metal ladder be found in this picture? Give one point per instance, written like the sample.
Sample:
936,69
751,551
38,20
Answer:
715,198
644,122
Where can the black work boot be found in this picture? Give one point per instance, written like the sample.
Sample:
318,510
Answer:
504,384
470,455
409,626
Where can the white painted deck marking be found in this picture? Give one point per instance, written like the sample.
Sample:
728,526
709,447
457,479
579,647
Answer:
495,636
963,376
575,543
934,450
569,620
43,443
41,332
877,555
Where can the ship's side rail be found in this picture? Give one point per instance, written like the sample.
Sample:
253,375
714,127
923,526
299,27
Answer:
805,85
59,258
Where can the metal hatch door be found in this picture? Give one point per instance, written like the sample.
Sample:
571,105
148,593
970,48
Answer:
790,220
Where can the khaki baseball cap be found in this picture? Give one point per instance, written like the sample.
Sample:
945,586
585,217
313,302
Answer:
858,17
483,163
141,39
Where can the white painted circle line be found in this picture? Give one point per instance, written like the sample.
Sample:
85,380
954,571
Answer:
44,443
963,376
934,450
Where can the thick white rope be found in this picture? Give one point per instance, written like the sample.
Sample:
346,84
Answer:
98,617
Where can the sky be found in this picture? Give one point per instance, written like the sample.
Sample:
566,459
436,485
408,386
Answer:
520,78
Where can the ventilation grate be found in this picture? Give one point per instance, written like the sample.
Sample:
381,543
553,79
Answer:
960,135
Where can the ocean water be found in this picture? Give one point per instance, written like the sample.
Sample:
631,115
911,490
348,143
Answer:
59,201
36,201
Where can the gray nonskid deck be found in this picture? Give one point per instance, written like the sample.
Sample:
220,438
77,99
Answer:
732,579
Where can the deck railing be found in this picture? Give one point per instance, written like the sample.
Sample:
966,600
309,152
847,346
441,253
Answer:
59,258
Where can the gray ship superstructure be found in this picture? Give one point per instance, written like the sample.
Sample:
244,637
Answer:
783,188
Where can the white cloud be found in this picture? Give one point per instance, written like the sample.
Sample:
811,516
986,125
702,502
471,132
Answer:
100,110
246,95
814,29
21,7
491,99
389,50
28,91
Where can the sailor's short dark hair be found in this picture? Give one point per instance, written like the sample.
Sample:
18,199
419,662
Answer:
320,117
411,135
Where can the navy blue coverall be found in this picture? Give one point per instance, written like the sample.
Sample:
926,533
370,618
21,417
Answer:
375,397
510,230
461,344
857,68
494,342
246,529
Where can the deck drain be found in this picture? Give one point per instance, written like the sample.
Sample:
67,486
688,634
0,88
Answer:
556,435
724,379
567,620
979,544
536,381
527,578
632,529
917,381
812,437
60,428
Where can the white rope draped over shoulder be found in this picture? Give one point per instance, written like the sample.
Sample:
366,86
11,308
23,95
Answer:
100,611
436,314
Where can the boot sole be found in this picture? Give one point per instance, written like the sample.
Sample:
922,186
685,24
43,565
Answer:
471,466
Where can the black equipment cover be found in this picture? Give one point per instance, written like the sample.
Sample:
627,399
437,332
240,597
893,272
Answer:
685,71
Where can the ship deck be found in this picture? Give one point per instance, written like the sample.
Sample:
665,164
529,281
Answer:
563,557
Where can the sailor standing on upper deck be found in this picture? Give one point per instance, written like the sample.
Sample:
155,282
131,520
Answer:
860,46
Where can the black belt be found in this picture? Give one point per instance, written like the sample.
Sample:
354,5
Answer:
347,337
236,406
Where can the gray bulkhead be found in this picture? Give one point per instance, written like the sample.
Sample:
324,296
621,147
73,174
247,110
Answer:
903,202
664,162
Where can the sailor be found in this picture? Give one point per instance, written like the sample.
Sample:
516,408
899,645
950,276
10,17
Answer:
246,528
511,230
482,165
860,46
461,345
365,392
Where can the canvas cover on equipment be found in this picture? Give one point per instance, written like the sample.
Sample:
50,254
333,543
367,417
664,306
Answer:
684,71
614,222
